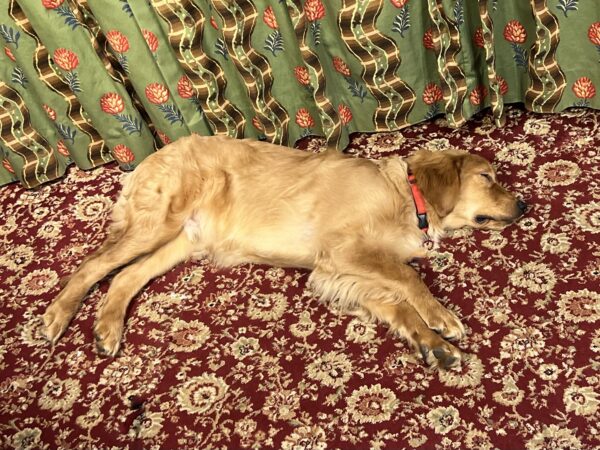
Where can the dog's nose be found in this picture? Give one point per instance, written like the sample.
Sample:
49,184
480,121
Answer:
522,206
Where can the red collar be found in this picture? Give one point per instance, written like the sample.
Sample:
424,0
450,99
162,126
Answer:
419,202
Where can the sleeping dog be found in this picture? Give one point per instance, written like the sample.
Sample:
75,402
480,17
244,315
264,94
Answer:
355,223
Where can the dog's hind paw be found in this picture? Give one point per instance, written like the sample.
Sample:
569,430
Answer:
108,335
55,321
445,323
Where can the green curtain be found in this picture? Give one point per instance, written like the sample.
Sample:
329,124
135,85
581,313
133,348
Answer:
88,82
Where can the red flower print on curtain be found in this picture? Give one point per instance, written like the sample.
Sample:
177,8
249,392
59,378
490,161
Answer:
112,103
432,94
314,11
356,88
62,10
304,120
8,52
151,40
428,40
477,95
68,61
274,41
502,84
303,77
594,35
186,90
49,112
584,89
345,114
401,23
516,34
158,94
62,148
478,38
123,155
163,137
120,44
7,166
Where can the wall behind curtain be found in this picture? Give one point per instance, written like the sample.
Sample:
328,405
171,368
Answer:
91,81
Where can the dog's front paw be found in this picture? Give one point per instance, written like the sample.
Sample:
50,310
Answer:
108,332
446,324
55,320
443,355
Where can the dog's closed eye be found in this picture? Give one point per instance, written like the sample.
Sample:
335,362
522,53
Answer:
482,219
487,177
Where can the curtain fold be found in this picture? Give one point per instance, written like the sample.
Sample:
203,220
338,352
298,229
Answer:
87,82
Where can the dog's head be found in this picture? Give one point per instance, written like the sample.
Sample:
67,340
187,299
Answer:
463,190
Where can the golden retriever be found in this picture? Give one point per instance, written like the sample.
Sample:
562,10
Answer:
351,221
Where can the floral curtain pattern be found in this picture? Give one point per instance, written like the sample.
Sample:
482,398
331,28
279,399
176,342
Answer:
87,82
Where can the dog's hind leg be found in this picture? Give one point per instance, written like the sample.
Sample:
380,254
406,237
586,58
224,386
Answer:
140,225
111,315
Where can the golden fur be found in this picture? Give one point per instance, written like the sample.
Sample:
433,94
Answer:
351,221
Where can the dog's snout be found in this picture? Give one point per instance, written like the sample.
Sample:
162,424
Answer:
522,206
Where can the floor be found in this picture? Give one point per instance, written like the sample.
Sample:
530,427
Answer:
248,357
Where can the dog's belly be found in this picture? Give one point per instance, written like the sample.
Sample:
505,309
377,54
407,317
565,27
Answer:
283,243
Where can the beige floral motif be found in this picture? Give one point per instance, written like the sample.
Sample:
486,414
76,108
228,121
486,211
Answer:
437,145
360,331
26,439
556,243
580,306
281,405
443,419
199,394
553,437
440,261
244,347
588,217
123,370
245,427
147,425
469,374
90,419
583,401
267,306
522,343
535,126
159,307
9,226
495,241
372,404
595,344
385,142
304,327
478,440
558,173
534,276
188,336
17,257
39,281
93,208
59,395
331,369
50,229
548,372
519,153
305,438
510,395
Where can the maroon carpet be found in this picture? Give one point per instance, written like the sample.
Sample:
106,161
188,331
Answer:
248,358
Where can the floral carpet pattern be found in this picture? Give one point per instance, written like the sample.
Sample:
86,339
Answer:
249,358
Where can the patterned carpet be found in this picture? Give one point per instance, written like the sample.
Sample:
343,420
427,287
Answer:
248,358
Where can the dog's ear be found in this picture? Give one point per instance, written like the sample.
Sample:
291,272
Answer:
438,177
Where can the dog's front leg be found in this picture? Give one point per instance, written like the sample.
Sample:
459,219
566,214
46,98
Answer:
383,299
